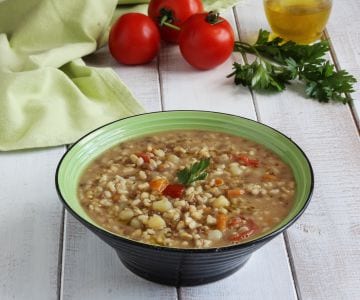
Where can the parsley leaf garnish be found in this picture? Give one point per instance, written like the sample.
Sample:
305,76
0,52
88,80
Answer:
194,172
278,62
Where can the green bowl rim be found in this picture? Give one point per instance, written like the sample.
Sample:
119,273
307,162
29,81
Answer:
261,239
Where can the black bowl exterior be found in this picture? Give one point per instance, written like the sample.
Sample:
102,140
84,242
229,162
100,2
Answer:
178,267
182,267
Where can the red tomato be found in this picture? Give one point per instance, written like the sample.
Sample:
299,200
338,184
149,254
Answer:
144,156
176,13
206,40
134,39
239,236
174,190
238,222
246,161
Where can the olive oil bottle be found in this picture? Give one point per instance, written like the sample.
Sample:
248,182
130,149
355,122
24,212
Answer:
299,20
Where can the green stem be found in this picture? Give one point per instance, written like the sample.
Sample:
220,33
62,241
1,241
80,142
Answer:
164,22
247,48
172,26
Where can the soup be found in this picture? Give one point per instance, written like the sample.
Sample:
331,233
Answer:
188,189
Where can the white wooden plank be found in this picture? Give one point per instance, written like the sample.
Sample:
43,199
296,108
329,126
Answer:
30,221
344,31
185,88
91,269
261,278
324,243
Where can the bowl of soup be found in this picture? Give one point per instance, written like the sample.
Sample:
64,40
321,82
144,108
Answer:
185,197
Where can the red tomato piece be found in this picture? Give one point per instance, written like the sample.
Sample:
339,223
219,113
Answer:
241,235
176,12
134,39
206,40
252,225
174,190
246,161
144,156
238,222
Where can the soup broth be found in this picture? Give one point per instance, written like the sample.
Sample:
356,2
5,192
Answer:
136,189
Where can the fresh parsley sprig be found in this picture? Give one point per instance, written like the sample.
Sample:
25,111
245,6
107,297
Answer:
278,62
195,172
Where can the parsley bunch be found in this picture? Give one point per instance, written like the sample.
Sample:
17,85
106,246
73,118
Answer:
278,62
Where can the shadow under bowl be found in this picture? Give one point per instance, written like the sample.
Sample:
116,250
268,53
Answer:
174,266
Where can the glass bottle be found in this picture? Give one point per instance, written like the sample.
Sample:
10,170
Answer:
301,21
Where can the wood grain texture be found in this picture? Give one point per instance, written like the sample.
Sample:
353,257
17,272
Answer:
30,220
91,269
265,276
186,88
324,243
344,32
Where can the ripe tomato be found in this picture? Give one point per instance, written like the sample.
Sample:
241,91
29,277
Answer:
246,161
206,40
144,156
175,12
239,221
174,190
134,39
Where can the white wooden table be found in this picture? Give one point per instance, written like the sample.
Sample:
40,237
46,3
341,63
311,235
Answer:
47,254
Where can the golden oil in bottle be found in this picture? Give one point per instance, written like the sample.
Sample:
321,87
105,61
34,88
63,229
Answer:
301,21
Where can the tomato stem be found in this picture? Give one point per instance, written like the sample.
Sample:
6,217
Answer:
213,18
164,22
166,18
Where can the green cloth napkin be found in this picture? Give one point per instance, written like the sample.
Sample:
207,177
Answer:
48,96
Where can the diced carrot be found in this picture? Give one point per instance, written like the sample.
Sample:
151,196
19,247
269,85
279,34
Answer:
235,193
159,184
269,177
221,220
219,181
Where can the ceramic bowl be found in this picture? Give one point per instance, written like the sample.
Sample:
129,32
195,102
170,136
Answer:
172,266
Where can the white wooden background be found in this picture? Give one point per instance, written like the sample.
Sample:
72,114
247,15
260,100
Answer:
47,254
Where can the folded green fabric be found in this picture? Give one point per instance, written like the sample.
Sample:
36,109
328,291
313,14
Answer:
48,106
48,96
